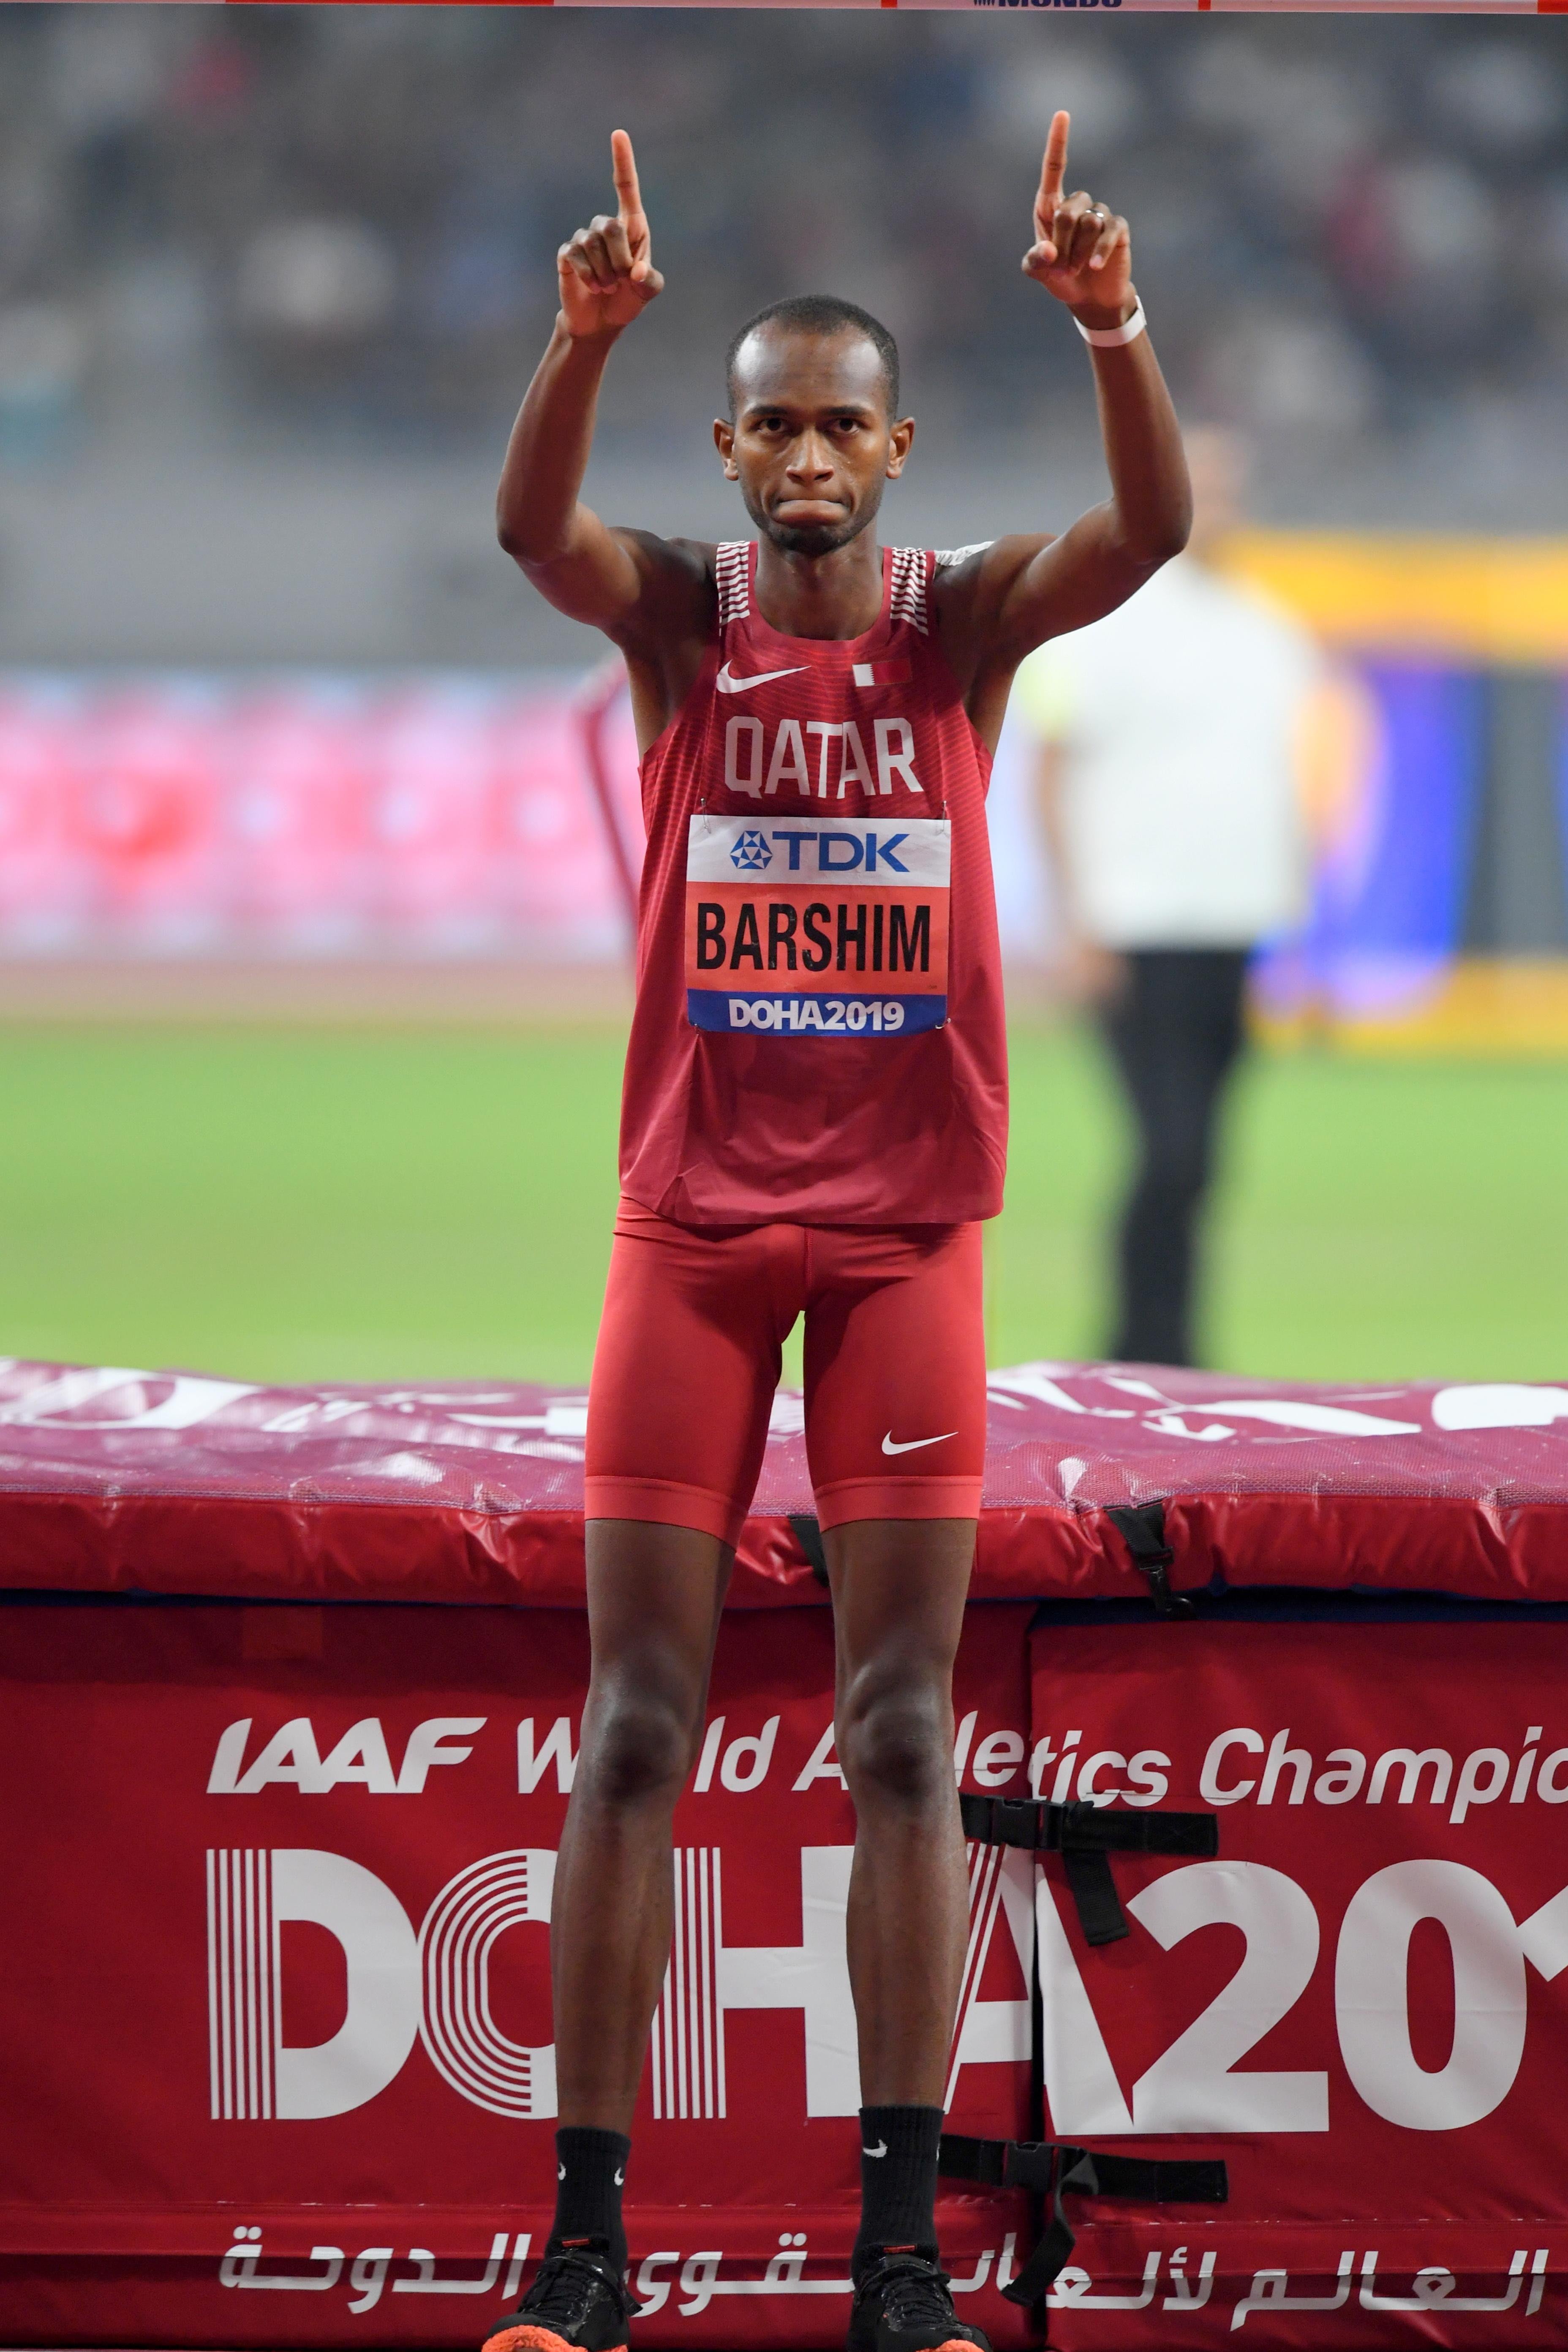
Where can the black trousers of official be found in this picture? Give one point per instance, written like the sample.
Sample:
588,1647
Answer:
1174,1033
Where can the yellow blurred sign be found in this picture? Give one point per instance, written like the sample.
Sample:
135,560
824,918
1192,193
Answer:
1481,1004
1501,601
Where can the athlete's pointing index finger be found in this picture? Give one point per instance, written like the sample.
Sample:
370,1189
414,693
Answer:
1053,171
628,200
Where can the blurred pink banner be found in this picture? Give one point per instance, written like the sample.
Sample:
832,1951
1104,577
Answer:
312,816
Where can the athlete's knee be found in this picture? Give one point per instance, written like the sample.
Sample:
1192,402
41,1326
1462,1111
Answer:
895,1742
637,1748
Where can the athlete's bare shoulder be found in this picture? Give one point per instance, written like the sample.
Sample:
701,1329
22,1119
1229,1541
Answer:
971,581
970,591
678,596
666,635
692,560
676,603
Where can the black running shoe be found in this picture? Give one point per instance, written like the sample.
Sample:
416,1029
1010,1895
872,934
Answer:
902,2304
577,2304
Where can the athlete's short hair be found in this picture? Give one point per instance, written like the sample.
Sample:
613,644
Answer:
820,314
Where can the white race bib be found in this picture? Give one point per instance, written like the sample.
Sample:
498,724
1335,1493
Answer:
807,928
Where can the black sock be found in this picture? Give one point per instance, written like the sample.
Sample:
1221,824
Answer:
898,2182
590,2168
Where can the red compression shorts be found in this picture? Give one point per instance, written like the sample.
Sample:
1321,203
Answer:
688,1354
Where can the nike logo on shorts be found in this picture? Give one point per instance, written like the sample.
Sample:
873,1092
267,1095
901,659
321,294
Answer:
908,1444
880,2149
728,685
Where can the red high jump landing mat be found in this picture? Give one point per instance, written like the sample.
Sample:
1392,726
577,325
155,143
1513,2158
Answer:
292,1692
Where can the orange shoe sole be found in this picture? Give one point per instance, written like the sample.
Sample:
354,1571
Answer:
531,2339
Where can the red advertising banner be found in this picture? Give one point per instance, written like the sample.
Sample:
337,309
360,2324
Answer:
1133,7
1359,2005
275,2014
311,815
276,2010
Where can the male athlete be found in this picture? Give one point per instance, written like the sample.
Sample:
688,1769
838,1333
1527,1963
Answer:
814,1122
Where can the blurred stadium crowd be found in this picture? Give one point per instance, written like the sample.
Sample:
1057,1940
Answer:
1349,234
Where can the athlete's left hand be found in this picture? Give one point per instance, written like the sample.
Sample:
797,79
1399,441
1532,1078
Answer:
1082,254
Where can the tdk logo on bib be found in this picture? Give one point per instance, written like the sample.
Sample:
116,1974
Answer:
751,853
809,930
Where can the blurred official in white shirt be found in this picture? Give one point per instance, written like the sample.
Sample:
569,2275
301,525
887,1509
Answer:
1170,736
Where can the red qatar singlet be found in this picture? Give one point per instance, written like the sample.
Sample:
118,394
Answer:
818,1036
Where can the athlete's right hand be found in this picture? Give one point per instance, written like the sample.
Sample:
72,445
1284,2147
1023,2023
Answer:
606,272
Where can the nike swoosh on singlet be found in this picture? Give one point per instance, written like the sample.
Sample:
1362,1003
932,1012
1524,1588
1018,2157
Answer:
728,685
908,1444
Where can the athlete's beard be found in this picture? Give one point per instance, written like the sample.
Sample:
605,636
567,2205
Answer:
813,539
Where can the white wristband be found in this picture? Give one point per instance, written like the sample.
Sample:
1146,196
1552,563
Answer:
1108,338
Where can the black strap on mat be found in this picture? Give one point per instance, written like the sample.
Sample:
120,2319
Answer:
808,1534
1054,2169
1142,1530
1085,1836
1093,1891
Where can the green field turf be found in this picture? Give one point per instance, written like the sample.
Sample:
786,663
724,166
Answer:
370,1204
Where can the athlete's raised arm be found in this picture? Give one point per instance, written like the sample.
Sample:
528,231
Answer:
1021,590
607,578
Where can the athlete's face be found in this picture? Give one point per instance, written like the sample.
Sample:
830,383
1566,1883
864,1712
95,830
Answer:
812,442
